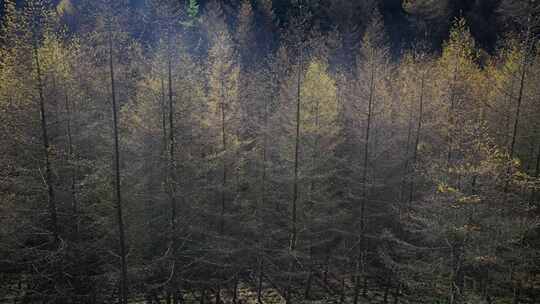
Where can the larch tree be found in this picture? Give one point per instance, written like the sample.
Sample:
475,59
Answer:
319,138
37,12
371,72
224,123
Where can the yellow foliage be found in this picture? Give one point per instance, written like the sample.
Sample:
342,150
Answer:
223,79
54,55
445,188
458,65
319,101
65,7
473,199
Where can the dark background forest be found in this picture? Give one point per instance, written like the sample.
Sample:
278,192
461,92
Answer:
258,151
404,20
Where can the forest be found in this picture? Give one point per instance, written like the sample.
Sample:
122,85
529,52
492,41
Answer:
258,151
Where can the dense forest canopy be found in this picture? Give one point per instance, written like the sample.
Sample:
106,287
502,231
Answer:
405,20
258,151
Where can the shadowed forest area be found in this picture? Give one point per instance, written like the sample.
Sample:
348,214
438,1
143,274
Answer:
258,151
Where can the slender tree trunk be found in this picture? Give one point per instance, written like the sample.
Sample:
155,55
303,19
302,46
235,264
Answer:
262,202
316,147
235,289
511,148
296,154
224,163
163,117
224,176
123,283
264,155
73,166
172,163
53,225
417,138
172,141
406,165
508,105
362,246
293,233
518,106
54,94
536,173
451,122
314,162
528,46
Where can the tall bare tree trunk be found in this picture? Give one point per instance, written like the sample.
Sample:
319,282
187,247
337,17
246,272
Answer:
172,141
123,264
224,162
235,288
264,155
71,159
262,202
293,232
163,116
518,108
314,160
53,225
362,241
511,149
296,154
417,138
508,105
406,165
450,139
172,164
